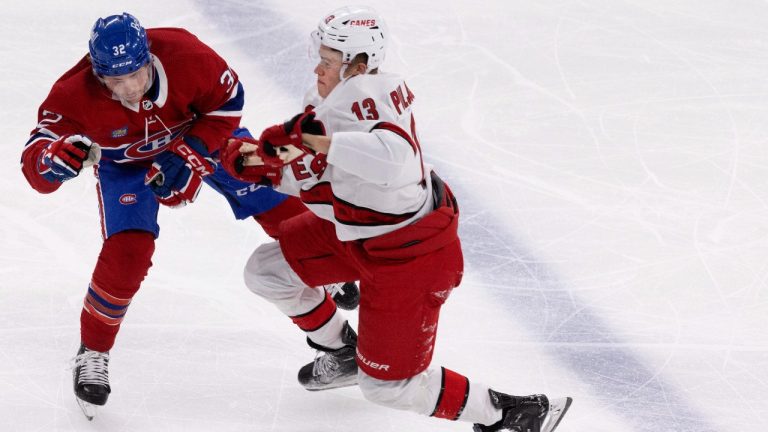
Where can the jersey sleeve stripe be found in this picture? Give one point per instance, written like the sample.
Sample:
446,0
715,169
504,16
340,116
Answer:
36,138
233,107
399,131
48,133
404,135
226,113
347,213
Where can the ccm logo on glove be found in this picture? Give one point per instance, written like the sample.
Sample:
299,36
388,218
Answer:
198,163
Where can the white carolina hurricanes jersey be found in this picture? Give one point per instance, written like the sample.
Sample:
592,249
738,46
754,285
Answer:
373,180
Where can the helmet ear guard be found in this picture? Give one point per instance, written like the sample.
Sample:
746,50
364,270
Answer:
118,45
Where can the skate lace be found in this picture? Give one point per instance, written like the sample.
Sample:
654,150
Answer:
93,367
335,288
325,364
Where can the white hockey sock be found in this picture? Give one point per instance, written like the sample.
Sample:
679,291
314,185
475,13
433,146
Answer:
479,408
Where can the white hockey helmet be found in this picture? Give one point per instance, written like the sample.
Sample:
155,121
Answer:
354,30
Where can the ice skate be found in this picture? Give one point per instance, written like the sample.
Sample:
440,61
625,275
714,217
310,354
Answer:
345,294
534,413
332,368
90,375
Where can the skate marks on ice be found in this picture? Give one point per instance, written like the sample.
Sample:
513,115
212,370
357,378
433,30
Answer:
577,338
534,297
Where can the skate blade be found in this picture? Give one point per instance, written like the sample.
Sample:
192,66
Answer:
557,409
335,385
89,409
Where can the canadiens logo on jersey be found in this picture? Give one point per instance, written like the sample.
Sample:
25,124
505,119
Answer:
128,199
146,148
119,133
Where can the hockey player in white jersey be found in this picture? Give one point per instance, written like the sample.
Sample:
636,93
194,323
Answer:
380,215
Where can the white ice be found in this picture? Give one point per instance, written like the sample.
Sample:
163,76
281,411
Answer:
611,164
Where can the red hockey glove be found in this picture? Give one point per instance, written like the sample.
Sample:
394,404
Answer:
233,158
195,154
64,158
240,155
281,144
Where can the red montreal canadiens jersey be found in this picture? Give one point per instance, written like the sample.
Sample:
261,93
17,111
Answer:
373,179
193,92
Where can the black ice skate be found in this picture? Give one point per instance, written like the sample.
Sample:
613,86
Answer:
91,379
332,368
345,294
533,413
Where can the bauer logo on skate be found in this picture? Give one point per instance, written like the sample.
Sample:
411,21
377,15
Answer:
370,364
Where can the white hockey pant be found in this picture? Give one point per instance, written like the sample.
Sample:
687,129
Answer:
268,275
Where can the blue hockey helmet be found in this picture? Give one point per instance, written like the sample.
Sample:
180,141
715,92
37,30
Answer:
118,45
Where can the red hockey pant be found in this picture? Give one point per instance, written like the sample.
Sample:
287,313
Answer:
405,276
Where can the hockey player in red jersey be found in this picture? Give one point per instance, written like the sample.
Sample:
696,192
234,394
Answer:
150,109
378,214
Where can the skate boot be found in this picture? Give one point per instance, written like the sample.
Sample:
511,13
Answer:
332,368
91,379
345,294
533,413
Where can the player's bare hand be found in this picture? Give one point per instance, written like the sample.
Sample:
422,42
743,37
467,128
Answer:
252,159
241,158
247,148
289,153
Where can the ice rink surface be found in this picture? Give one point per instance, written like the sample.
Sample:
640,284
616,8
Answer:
610,159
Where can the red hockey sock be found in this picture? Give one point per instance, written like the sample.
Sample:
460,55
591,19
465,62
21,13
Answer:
454,391
318,316
123,263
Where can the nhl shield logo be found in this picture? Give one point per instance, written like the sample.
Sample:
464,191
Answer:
146,104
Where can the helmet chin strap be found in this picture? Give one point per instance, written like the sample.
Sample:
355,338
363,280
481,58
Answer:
342,71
